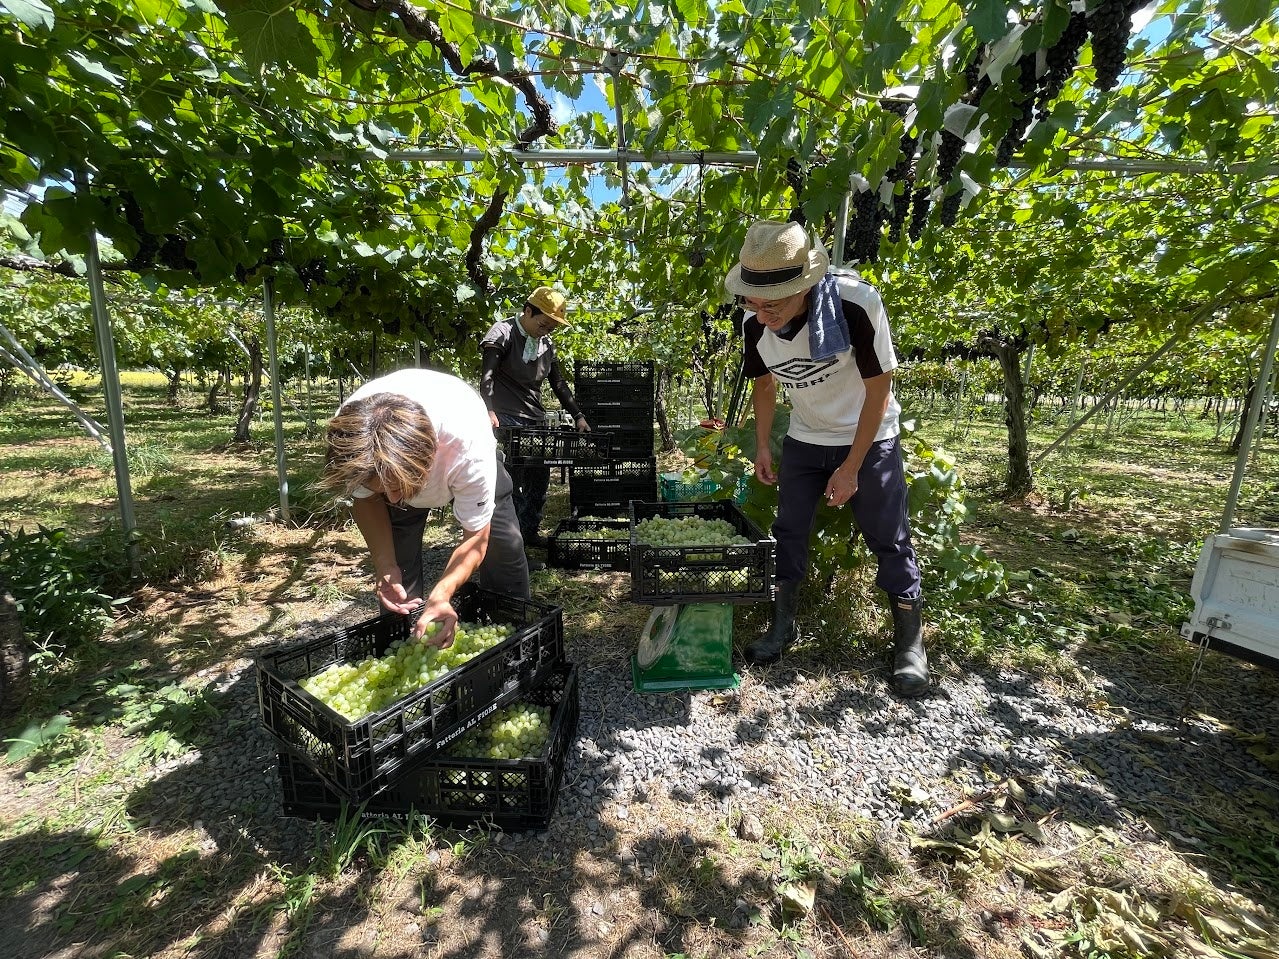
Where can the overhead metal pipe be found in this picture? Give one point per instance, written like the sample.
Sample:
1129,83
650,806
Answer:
745,158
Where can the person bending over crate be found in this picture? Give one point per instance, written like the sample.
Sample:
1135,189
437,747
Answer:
825,338
407,443
518,358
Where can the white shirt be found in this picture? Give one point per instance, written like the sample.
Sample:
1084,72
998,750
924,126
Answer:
465,468
827,395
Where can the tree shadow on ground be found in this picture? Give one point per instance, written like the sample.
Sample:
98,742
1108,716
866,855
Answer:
1120,755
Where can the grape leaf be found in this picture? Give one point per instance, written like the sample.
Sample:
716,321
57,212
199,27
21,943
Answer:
30,13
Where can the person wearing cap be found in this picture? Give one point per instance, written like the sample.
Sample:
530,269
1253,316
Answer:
824,337
409,442
518,358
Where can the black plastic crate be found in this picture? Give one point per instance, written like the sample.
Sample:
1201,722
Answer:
632,444
556,447
617,397
507,793
589,373
606,419
606,489
568,549
664,575
359,758
603,396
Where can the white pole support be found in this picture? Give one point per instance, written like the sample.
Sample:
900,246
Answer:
281,467
115,407
1250,425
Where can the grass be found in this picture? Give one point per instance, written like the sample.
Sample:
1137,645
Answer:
104,842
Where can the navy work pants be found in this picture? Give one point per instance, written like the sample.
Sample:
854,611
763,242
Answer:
530,482
505,567
879,509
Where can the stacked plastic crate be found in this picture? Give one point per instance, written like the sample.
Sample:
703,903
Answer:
407,758
617,400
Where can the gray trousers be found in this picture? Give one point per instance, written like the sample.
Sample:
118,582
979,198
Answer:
505,566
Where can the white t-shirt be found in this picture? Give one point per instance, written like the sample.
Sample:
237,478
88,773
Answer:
465,469
827,395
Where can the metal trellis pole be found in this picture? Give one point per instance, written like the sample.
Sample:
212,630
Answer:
115,407
613,62
841,227
1250,424
1101,403
281,468
310,413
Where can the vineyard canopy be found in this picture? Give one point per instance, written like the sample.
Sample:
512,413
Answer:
223,144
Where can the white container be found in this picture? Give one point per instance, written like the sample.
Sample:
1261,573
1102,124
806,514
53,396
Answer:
1236,594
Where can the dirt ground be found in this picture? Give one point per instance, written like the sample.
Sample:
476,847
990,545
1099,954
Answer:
124,864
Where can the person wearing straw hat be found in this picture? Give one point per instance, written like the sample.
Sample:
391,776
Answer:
410,442
824,337
518,358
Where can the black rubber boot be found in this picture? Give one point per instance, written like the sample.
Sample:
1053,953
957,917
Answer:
782,633
910,662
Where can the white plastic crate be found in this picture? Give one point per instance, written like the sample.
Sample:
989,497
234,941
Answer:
1236,594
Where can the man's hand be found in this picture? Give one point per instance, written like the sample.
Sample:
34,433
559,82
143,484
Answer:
764,466
391,593
582,425
442,613
493,419
840,487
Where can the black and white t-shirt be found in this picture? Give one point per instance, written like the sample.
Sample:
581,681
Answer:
827,395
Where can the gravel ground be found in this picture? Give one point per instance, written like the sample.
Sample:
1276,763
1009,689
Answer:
842,739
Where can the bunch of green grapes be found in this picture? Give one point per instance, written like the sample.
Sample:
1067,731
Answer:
516,732
688,531
607,533
357,689
695,581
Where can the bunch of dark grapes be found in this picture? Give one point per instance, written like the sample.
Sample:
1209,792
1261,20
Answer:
861,241
920,201
972,72
1061,59
950,208
1025,99
948,154
1109,26
902,172
902,175
976,83
901,203
795,176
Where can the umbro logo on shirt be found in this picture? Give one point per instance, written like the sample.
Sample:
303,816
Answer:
798,373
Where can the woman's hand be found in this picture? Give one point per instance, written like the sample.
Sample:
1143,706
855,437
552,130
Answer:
391,593
442,613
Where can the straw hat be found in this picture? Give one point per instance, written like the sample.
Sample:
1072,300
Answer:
552,303
777,260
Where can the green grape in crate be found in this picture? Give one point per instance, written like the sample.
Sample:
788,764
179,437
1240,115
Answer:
357,689
516,732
